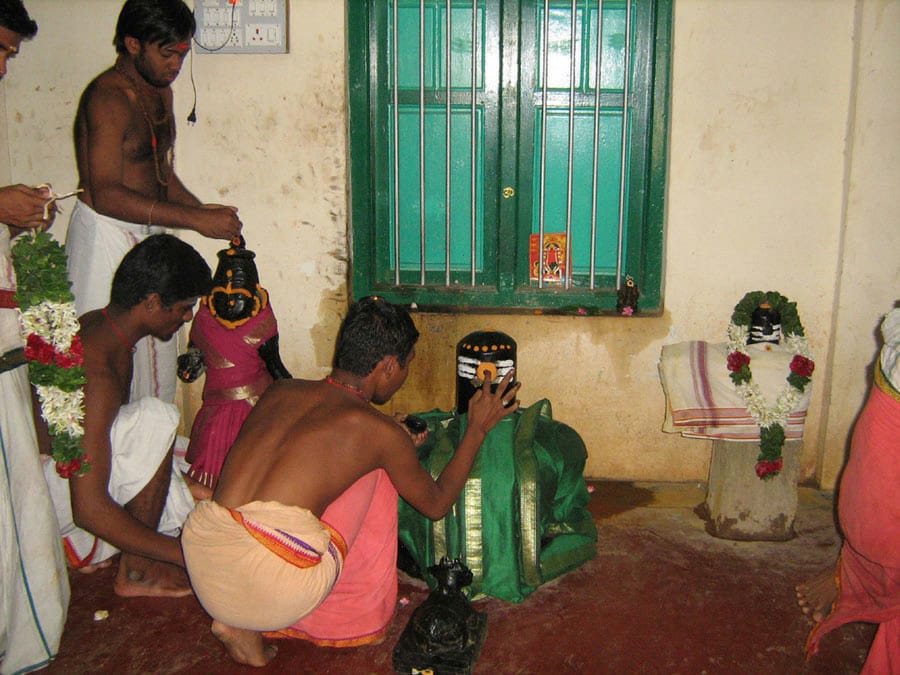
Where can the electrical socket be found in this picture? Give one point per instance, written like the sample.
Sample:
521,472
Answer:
241,26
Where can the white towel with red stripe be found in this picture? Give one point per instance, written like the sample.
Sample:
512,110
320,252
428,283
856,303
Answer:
702,401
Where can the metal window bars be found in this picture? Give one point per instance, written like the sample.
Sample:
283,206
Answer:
473,104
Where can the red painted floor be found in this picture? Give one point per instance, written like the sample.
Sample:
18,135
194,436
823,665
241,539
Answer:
662,596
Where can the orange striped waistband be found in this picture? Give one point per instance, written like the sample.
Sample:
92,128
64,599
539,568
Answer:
290,548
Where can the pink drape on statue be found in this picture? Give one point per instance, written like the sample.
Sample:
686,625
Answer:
360,608
869,512
236,376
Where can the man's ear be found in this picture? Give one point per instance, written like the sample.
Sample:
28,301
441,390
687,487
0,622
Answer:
132,45
152,302
386,367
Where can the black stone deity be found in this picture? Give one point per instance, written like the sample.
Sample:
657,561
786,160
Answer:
444,634
765,325
479,353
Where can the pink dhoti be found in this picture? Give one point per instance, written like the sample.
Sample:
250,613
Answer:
360,608
869,512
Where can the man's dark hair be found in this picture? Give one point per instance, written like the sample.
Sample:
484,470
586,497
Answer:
163,22
373,329
14,17
160,264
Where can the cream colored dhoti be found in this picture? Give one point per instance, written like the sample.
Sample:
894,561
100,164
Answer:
262,566
95,245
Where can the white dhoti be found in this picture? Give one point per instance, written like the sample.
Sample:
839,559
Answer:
34,587
95,245
141,435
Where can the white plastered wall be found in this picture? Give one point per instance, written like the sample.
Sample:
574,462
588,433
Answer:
782,175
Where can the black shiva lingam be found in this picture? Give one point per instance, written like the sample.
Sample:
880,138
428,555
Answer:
444,634
478,353
765,325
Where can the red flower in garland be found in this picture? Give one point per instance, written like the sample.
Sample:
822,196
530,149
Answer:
72,358
737,360
802,366
38,349
70,468
766,468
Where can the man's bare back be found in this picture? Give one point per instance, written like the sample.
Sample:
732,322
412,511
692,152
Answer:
298,428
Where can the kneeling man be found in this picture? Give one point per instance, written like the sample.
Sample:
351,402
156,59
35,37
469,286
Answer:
305,511
131,499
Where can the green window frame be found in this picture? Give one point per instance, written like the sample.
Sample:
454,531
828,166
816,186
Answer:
438,156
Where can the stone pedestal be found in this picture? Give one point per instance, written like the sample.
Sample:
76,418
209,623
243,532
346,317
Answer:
741,506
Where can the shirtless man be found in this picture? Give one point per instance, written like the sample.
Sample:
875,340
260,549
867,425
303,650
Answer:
125,150
259,554
129,500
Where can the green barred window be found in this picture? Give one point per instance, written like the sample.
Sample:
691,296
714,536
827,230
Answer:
481,128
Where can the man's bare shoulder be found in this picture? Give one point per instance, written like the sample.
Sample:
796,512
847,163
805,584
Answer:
108,88
103,365
91,330
287,388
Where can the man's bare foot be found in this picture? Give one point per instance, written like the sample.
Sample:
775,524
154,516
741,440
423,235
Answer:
138,577
817,596
244,646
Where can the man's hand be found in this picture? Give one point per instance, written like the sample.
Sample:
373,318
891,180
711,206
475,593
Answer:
486,408
218,222
417,437
22,207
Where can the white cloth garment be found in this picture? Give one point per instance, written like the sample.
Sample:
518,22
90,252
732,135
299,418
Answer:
95,245
141,435
701,399
34,587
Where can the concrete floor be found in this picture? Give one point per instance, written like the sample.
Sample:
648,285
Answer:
662,596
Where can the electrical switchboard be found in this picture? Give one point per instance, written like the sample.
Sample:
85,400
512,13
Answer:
241,26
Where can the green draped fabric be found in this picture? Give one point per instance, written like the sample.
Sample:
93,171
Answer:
521,519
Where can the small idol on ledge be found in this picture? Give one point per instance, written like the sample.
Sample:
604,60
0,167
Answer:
627,297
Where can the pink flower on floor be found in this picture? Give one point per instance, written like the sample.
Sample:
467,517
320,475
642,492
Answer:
627,311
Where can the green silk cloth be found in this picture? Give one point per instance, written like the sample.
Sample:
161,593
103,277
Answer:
521,519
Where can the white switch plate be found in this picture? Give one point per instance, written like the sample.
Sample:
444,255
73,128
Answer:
241,26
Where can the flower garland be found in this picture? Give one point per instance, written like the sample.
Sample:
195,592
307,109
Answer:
52,345
770,418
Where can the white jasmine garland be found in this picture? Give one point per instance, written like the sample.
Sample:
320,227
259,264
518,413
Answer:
62,410
764,414
53,349
55,322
